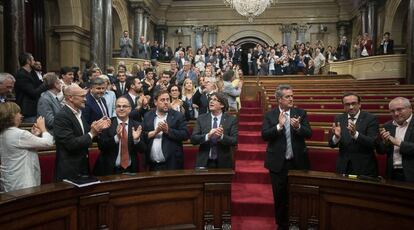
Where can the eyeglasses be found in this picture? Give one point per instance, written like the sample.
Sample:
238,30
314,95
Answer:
174,90
122,106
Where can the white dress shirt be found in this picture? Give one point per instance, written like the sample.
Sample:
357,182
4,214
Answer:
400,131
19,161
156,149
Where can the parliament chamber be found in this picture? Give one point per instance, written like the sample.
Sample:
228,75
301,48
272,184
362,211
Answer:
76,33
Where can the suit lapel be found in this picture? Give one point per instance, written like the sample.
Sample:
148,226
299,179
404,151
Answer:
74,119
409,131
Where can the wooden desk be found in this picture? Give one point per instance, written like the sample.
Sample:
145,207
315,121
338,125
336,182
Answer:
183,199
332,202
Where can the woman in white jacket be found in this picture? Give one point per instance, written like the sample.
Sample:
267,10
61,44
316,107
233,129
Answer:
19,161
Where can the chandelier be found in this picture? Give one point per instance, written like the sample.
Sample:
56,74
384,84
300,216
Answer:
249,8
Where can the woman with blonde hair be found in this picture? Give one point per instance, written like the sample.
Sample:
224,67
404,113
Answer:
19,162
191,110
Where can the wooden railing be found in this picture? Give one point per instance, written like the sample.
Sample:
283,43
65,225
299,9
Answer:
323,201
185,199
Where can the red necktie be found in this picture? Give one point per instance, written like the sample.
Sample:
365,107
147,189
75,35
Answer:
124,147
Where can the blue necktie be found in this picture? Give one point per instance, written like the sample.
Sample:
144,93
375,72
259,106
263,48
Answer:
289,151
213,143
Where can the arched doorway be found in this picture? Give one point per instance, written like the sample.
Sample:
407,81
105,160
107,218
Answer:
245,44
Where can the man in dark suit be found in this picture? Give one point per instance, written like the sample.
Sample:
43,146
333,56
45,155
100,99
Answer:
120,87
119,152
216,133
73,135
95,107
387,45
398,141
28,87
200,97
285,129
49,104
355,132
165,130
138,101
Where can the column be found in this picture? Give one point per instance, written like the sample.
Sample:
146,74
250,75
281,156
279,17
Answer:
301,32
286,34
212,35
199,31
410,43
14,38
145,26
161,31
108,33
343,28
138,22
97,33
372,23
364,18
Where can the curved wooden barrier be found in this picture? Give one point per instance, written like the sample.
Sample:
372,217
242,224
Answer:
319,200
182,199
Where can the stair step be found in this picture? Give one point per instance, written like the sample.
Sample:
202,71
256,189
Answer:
252,200
250,126
250,171
247,104
251,137
247,154
251,110
252,223
251,117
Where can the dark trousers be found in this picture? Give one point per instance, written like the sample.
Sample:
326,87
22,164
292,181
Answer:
120,170
398,175
154,166
280,194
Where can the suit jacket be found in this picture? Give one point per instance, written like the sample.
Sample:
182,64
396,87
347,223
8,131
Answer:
224,146
276,147
172,143
126,47
143,51
118,91
390,47
92,112
360,153
72,154
181,76
105,164
406,151
135,114
48,106
28,89
201,100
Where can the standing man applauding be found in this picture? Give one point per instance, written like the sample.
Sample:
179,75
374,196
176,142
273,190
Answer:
285,129
120,143
355,132
73,135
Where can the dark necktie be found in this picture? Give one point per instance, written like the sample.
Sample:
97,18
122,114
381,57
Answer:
124,147
213,143
102,106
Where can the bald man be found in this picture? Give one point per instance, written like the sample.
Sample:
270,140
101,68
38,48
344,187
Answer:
398,140
73,135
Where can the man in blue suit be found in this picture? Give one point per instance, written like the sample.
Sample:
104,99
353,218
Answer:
95,107
165,129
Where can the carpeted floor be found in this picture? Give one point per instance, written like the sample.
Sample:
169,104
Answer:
252,200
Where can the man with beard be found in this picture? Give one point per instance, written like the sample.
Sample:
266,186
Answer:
165,131
95,107
28,88
136,98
